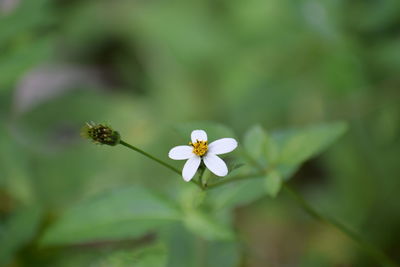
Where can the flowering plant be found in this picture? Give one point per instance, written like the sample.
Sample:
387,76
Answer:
262,165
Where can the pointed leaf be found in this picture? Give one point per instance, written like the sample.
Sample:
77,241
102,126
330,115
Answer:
299,145
273,183
207,226
255,141
120,214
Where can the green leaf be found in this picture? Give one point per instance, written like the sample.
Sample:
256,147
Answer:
120,214
272,153
207,226
298,145
18,231
148,256
199,220
255,141
155,255
223,254
236,194
15,175
188,250
273,183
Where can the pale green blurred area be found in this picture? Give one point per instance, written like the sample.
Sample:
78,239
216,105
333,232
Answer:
145,67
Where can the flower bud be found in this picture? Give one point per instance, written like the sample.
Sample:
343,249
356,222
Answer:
101,134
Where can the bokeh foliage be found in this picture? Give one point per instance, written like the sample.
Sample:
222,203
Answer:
153,69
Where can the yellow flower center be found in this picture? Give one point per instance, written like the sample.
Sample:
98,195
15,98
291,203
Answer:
199,148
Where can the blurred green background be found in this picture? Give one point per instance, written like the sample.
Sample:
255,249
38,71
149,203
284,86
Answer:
147,66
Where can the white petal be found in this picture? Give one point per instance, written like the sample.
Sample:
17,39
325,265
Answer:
222,146
199,135
181,152
190,168
216,165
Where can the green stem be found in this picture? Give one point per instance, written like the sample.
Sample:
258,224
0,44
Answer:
201,173
372,250
155,159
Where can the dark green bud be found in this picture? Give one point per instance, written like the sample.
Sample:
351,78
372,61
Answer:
101,134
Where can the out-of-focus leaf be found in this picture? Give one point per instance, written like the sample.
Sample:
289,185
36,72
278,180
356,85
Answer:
191,197
236,194
15,170
20,228
120,214
197,220
273,183
154,255
222,254
206,226
302,144
197,217
188,250
143,253
255,141
296,146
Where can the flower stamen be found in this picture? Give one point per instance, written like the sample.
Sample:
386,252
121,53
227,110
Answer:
200,147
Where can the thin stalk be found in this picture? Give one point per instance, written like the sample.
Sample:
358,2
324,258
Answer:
159,161
201,173
370,249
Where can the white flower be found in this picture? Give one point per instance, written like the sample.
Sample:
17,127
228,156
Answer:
198,150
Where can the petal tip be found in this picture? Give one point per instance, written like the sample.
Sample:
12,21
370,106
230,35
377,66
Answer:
180,152
223,173
200,135
187,179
